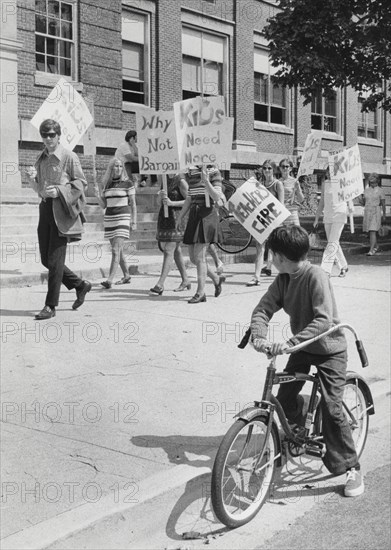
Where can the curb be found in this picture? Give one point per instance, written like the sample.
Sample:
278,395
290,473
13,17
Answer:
62,526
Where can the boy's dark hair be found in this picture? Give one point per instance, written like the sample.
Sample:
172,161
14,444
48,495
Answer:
291,241
130,134
48,125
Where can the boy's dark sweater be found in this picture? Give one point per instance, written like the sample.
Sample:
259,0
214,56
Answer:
308,298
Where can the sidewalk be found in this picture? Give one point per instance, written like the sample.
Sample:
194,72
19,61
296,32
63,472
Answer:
21,265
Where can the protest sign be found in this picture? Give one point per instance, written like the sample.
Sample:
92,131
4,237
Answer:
204,132
346,174
310,154
67,107
156,142
257,210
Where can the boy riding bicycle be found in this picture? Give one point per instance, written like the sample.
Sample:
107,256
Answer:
304,292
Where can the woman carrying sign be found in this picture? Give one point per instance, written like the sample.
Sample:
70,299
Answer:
267,178
334,218
293,195
169,235
203,224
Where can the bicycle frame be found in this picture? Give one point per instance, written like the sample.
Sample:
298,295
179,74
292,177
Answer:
269,404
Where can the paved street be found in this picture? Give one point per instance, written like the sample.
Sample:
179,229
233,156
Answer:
112,414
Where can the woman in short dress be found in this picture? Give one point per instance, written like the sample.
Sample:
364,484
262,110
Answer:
171,236
203,224
293,195
265,175
374,202
118,197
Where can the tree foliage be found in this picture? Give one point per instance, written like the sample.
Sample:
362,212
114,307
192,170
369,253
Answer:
333,43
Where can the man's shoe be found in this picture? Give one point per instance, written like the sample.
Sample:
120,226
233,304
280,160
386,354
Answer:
218,286
46,313
81,294
354,485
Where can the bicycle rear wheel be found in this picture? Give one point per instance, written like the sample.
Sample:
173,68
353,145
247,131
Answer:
355,408
233,236
241,481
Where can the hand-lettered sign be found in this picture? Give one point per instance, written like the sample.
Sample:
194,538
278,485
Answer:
257,210
67,107
204,132
156,141
346,174
310,154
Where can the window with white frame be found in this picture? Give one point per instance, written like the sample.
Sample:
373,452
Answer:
270,99
135,63
368,124
204,64
55,27
324,112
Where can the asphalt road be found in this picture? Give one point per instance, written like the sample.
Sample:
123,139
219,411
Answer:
111,415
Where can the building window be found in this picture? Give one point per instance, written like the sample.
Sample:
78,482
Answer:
368,123
204,65
55,37
135,67
324,112
270,99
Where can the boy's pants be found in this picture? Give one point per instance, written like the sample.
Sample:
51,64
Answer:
340,451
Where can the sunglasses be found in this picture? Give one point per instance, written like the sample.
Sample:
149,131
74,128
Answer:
285,166
267,168
48,134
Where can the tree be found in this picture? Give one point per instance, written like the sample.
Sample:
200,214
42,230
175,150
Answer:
333,43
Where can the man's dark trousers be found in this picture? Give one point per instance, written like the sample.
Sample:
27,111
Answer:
53,249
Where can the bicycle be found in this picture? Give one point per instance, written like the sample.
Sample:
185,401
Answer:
234,238
253,449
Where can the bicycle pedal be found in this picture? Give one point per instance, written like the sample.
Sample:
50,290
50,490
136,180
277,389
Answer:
315,449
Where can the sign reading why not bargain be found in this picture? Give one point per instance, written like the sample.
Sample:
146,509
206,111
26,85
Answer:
67,107
346,174
204,132
310,154
257,210
156,142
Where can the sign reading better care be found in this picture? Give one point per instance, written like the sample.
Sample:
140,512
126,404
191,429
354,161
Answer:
204,132
67,107
257,210
346,174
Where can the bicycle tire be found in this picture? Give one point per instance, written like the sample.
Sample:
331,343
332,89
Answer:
234,238
233,487
355,407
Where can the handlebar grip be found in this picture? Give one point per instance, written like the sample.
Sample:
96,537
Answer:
362,353
244,341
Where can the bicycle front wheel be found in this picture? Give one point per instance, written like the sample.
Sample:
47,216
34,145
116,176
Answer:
355,407
233,236
243,471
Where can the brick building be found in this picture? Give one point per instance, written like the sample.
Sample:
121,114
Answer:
123,54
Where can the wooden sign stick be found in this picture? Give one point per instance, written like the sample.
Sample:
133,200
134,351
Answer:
165,206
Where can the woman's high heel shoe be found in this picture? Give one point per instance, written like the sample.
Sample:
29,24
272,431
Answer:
106,284
157,290
183,286
197,298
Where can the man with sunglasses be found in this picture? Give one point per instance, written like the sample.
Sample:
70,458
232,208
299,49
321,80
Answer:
58,179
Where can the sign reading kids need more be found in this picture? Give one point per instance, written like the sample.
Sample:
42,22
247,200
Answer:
204,132
257,210
346,174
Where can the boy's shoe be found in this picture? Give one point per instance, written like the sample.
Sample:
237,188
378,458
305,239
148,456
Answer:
354,485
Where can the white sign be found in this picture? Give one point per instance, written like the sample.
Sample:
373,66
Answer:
67,107
310,154
156,142
257,210
204,132
346,174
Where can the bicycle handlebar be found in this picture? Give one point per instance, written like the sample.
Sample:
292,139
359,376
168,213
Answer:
298,347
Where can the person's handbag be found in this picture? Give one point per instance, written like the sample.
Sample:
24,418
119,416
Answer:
314,239
384,230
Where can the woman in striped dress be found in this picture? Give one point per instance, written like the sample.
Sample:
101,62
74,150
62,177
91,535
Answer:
203,224
118,198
